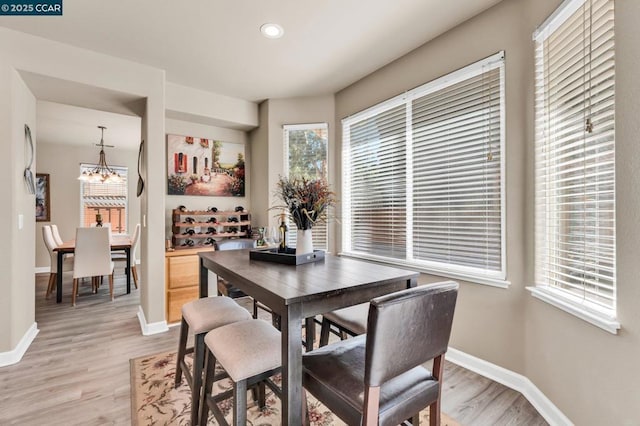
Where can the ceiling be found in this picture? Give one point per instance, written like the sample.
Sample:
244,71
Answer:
72,125
216,45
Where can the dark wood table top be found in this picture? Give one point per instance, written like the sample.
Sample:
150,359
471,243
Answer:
310,282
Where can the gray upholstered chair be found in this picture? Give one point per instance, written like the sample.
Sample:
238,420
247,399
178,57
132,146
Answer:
378,378
199,317
350,321
253,356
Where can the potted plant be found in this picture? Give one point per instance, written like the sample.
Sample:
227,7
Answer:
306,202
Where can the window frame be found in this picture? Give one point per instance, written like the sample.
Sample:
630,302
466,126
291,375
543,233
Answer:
286,128
496,279
581,307
123,171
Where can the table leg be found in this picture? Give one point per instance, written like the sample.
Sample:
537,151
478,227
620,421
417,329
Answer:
128,270
292,366
204,281
309,333
59,278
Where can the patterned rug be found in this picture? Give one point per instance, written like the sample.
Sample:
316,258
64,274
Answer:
154,401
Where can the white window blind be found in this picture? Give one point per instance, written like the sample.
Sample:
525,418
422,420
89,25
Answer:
306,153
574,163
423,175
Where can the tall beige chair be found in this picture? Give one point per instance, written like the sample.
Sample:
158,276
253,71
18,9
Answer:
92,257
56,234
67,264
120,256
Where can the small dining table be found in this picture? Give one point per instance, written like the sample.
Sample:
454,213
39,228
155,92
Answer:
118,243
298,293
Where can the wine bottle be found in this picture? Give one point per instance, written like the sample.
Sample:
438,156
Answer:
283,234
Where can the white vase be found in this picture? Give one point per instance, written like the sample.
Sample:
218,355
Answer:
304,242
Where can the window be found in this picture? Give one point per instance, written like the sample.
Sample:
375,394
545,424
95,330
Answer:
423,177
306,148
574,163
107,199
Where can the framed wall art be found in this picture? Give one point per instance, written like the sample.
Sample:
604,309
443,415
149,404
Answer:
43,188
199,166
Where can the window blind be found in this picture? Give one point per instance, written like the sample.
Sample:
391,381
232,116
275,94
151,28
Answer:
575,141
423,175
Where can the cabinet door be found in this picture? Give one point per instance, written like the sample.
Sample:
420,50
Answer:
183,271
175,300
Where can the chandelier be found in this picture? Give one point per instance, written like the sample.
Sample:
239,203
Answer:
102,172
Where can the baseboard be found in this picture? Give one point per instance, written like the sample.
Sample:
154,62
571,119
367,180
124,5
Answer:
150,328
43,270
515,381
15,355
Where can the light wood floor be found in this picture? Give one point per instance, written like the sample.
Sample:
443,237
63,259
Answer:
76,372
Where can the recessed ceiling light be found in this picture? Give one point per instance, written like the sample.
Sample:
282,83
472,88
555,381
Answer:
271,30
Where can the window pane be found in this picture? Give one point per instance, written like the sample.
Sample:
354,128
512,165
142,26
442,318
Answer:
107,199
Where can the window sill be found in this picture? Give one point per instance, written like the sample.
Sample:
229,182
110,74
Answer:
475,279
564,303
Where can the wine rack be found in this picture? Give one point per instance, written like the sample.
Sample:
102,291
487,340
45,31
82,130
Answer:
201,228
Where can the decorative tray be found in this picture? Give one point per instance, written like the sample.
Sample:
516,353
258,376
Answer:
289,257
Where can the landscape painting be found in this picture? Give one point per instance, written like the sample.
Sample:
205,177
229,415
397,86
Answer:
200,166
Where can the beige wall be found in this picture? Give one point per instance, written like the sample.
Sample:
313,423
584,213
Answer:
62,163
267,145
178,127
589,374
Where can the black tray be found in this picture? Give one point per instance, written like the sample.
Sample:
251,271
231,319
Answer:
287,258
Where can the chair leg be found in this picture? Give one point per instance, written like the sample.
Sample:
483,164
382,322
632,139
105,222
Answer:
198,365
324,333
209,375
240,403
110,286
182,348
434,408
371,405
305,409
52,281
74,292
134,272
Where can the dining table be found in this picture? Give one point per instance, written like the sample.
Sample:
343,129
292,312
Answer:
299,293
117,242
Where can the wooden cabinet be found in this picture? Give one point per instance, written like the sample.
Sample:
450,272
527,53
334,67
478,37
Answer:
201,228
182,276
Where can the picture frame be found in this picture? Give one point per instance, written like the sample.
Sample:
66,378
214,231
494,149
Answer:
43,189
205,167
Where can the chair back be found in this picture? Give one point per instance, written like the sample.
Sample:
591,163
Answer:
50,244
56,234
408,328
92,253
135,239
104,225
236,244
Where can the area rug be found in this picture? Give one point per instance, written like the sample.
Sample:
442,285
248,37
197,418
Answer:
154,400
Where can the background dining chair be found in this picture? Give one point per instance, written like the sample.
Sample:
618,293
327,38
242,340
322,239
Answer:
67,264
92,257
378,378
122,256
351,321
56,234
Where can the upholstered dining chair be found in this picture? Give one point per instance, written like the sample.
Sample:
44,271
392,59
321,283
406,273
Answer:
121,256
56,234
378,378
67,264
92,258
351,321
